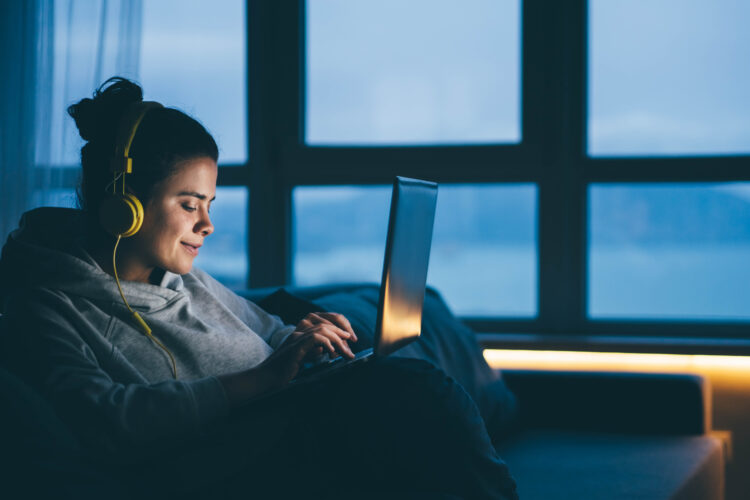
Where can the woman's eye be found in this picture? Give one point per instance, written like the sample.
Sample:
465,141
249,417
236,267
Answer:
189,208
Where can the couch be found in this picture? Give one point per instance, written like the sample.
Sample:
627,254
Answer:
563,435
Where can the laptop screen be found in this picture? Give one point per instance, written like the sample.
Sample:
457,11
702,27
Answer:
407,255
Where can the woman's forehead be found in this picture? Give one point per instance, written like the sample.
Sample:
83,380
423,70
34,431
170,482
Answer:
193,177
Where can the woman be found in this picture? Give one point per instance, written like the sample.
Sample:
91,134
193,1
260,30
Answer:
156,366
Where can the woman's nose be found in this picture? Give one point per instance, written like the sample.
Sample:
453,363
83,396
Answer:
204,225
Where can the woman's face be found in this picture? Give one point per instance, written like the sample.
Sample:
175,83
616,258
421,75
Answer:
175,222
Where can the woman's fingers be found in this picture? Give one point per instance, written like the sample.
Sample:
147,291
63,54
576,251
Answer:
331,341
333,331
340,321
329,336
286,361
335,319
305,323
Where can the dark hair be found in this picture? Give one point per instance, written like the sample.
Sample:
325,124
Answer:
165,137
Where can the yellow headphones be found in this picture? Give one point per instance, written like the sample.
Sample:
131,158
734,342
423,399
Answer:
121,214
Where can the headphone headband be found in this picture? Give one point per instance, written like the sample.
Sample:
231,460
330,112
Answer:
121,162
122,213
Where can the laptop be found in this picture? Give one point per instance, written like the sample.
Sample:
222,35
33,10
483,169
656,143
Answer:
402,287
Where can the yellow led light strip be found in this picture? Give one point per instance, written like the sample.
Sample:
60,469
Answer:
614,361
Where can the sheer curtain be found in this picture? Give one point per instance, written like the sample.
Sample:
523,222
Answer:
59,51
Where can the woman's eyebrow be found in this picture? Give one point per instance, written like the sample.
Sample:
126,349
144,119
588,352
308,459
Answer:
194,195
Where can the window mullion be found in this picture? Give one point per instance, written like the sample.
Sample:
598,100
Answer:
557,46
273,103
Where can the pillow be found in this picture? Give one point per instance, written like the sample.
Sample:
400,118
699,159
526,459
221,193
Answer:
445,342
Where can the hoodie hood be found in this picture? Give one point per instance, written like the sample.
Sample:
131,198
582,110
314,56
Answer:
48,251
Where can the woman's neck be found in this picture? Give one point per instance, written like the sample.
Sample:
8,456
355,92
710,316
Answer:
127,269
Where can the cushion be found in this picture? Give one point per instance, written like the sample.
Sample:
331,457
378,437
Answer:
636,403
445,342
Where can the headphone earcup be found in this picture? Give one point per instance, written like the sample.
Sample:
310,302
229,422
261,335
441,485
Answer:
121,215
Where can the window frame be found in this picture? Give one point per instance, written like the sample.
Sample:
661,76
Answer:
552,155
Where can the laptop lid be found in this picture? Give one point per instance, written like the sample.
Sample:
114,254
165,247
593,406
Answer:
407,255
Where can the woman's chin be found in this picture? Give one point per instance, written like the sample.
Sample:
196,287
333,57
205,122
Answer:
186,269
181,268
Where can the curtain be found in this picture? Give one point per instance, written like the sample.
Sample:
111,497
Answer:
58,52
18,33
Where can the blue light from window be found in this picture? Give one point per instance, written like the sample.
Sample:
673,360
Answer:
669,251
415,72
484,252
669,77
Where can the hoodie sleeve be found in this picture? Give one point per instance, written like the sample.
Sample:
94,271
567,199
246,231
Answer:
110,408
269,327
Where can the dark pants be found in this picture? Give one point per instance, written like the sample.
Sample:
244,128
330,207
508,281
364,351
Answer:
395,426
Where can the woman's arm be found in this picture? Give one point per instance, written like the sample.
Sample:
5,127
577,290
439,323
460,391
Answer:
275,372
269,327
316,333
94,389
333,329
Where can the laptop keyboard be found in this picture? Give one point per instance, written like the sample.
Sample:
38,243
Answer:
313,369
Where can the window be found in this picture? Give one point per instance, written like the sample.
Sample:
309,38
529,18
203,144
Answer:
483,258
606,145
592,156
417,72
667,247
669,78
484,252
193,57
669,251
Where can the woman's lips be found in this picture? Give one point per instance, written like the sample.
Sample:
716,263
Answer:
192,249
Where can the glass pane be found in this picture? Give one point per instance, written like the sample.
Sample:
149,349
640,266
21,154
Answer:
193,58
339,233
224,253
669,77
185,53
669,251
416,72
484,252
484,255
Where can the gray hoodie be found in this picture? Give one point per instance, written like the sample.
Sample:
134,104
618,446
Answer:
70,335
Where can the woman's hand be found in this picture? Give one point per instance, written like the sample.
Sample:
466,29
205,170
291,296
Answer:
275,372
315,334
332,332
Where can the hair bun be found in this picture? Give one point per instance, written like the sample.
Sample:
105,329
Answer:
97,119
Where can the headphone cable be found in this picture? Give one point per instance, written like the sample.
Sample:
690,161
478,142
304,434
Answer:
146,329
